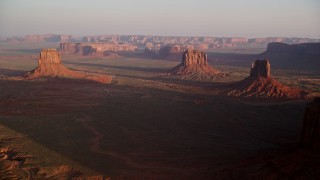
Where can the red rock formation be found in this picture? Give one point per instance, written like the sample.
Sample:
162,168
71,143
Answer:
311,125
49,65
260,84
195,65
260,68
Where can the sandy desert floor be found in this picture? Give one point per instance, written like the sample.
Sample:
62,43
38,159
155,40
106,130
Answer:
145,126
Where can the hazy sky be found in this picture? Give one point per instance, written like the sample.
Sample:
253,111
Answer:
248,18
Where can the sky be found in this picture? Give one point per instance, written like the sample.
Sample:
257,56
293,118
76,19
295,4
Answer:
219,18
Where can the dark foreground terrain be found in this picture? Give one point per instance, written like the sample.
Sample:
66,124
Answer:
146,125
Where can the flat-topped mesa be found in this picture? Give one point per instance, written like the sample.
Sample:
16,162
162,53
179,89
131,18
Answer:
193,57
260,68
49,56
310,49
195,65
311,125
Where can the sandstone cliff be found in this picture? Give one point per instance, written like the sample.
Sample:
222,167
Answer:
260,84
49,65
195,65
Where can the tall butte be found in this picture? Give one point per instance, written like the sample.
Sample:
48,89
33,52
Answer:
261,84
195,65
50,65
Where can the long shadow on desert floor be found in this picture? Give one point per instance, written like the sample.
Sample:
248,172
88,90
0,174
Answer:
11,72
125,130
142,69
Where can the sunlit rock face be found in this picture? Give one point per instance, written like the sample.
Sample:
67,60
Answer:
50,65
49,56
193,57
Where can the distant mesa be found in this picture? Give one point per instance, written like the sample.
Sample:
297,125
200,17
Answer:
302,56
195,65
296,49
94,49
261,84
167,52
311,125
50,65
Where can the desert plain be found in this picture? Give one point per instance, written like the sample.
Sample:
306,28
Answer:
146,124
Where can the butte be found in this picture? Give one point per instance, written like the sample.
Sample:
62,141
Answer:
50,65
195,66
261,84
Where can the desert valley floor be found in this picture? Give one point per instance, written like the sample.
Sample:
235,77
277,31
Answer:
146,124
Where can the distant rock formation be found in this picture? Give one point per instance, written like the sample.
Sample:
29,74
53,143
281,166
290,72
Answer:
167,52
49,65
295,49
260,84
296,56
90,49
311,125
47,38
195,65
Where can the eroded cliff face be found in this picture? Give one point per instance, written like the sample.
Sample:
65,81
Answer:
311,125
260,68
195,65
194,58
50,65
261,84
87,49
49,56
